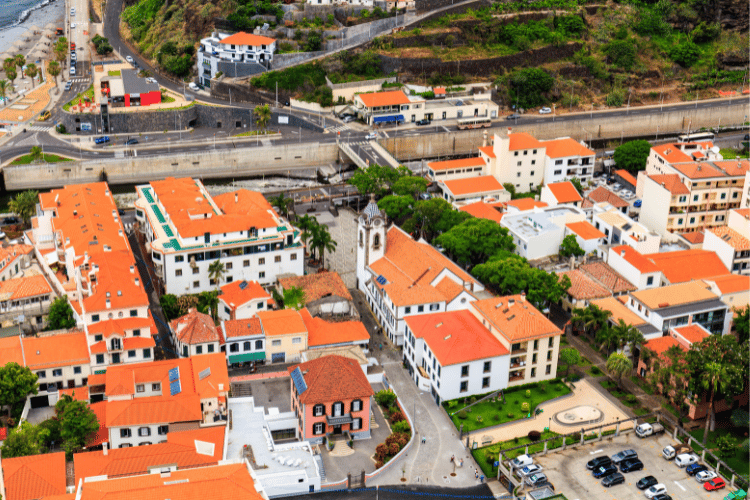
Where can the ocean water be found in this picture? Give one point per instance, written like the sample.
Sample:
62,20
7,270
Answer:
13,12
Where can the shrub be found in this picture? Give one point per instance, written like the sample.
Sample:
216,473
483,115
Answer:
616,98
490,458
534,436
542,388
397,416
630,398
595,370
516,439
386,397
379,464
61,128
525,407
401,426
496,417
472,399
528,86
394,448
381,451
511,415
685,53
463,415
622,53
480,419
393,438
528,393
517,402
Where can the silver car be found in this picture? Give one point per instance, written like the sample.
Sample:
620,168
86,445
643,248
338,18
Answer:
535,479
529,470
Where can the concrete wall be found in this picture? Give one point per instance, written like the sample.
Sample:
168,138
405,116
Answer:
241,69
210,164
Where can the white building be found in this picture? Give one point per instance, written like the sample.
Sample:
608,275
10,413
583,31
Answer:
453,355
195,333
566,158
539,232
587,236
222,51
126,340
242,300
637,269
732,248
245,340
619,229
460,192
187,230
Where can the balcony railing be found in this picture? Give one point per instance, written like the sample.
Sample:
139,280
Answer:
343,419
519,350
515,378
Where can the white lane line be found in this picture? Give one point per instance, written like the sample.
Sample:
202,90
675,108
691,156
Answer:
681,486
445,128
595,451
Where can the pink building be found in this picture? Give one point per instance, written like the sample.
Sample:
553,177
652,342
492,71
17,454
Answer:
331,395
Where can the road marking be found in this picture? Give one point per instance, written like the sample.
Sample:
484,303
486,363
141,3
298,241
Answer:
445,128
681,486
595,451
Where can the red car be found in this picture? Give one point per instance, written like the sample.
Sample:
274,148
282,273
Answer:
714,484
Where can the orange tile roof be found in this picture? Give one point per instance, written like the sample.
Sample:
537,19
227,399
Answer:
619,310
585,230
241,327
560,148
216,384
482,210
11,350
564,192
319,285
660,345
455,337
744,212
234,294
243,38
251,206
687,265
66,349
102,434
35,476
731,283
333,378
154,410
438,90
699,170
636,259
410,267
608,277
694,237
389,98
602,194
119,326
220,482
674,295
322,333
626,176
12,252
692,333
732,238
196,328
522,140
524,204
97,379
21,288
582,287
473,185
78,394
179,450
130,343
734,168
517,322
671,153
488,150
449,288
281,322
452,164
116,276
670,182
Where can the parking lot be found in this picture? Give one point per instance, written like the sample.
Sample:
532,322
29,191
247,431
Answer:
567,471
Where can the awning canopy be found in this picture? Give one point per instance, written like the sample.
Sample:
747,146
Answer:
388,119
245,357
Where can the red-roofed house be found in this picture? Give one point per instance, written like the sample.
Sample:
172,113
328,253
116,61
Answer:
687,265
13,259
452,354
325,293
60,361
734,290
732,248
604,195
286,335
561,193
582,290
588,237
34,477
636,268
331,395
325,334
483,210
245,341
125,340
196,333
523,205
242,300
566,158
455,169
221,51
30,296
469,189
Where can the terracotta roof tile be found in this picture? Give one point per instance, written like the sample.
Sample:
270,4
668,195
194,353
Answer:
582,287
35,476
455,337
731,283
333,378
319,285
619,310
452,164
449,288
521,140
744,212
67,349
524,204
473,185
282,322
564,192
239,293
733,168
674,295
699,170
196,328
627,176
116,276
692,333
482,210
608,277
518,322
102,434
602,194
322,333
671,153
78,393
660,345
636,259
488,150
695,237
388,98
670,182
154,410
21,288
561,148
11,350
242,327
243,38
687,265
119,326
12,252
585,230
732,238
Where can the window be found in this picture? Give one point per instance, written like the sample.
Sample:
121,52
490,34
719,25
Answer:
77,370
156,387
276,343
536,345
356,405
98,338
277,258
533,372
228,266
293,256
247,346
515,154
558,162
41,374
147,353
94,318
261,261
318,428
259,344
163,429
131,354
549,355
179,258
211,348
262,274
137,332
434,307
356,424
100,359
485,382
199,349
551,342
140,388
245,263
57,372
558,172
650,280
518,174
548,370
533,358
465,371
125,433
234,347
407,310
487,366
319,410
144,431
420,308
464,386
178,272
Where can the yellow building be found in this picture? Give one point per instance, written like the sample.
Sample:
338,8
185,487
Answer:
286,335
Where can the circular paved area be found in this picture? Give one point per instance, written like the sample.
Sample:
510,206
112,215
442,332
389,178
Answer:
579,415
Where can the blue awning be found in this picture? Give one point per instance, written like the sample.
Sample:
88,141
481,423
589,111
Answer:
388,119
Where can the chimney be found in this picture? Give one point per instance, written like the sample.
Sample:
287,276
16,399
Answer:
510,129
105,449
137,282
109,304
511,302
663,185
132,269
57,200
523,296
236,197
622,253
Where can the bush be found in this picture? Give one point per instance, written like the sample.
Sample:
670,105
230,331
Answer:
381,451
685,53
472,400
386,398
61,129
490,458
595,370
463,415
397,416
525,407
528,393
496,417
401,427
394,448
616,98
622,53
534,436
511,415
542,387
379,464
630,398
516,439
528,86
480,419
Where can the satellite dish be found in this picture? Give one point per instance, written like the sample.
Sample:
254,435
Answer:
715,149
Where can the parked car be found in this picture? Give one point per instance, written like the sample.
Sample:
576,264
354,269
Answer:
73,55
371,136
424,121
536,479
613,479
193,86
130,142
521,461
545,111
695,468
598,462
101,140
714,484
529,470
662,496
656,489
638,203
669,452
72,70
349,118
736,495
630,465
645,430
121,211
45,116
604,470
2,235
68,85
11,220
72,26
129,59
686,459
646,482
624,454
514,116
705,475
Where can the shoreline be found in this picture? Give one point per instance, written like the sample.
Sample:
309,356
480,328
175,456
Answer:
54,12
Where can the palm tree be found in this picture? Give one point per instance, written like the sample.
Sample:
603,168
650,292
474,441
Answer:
592,317
294,298
216,272
36,153
4,89
306,224
24,205
9,65
20,60
53,68
323,241
283,203
208,303
32,71
262,115
628,335
607,338
711,380
619,365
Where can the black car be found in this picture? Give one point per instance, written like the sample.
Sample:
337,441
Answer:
695,469
630,465
662,496
604,471
646,482
121,211
130,142
514,116
423,122
598,462
613,479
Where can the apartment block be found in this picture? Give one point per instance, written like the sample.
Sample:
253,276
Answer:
222,51
538,233
732,248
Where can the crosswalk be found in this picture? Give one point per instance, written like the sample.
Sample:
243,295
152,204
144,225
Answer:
79,80
41,128
340,128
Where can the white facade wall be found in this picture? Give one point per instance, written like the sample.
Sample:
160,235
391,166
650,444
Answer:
738,262
524,168
103,315
631,273
186,350
62,375
100,361
561,169
117,440
745,203
245,311
737,221
655,208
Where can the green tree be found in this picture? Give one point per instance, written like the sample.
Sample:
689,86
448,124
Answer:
208,302
283,203
36,154
475,240
170,306
294,298
376,179
619,365
570,246
323,242
397,208
741,323
20,61
25,440
306,224
727,445
577,184
24,205
591,318
433,217
5,87
622,53
53,68
16,382
216,272
60,315
262,114
628,335
570,357
685,53
77,423
314,41
509,187
607,338
410,185
9,65
12,75
529,85
632,155
31,72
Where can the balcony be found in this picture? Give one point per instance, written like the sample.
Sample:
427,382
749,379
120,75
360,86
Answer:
343,419
519,349
515,378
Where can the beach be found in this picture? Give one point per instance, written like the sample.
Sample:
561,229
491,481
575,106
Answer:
54,12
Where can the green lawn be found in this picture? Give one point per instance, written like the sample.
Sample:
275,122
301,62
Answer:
114,73
731,154
49,158
739,462
488,413
89,92
166,97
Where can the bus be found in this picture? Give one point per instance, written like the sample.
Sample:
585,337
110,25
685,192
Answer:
697,137
474,122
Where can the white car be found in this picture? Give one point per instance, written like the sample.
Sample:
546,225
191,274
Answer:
129,59
706,475
194,86
72,70
521,460
545,111
685,459
529,470
72,26
656,489
371,136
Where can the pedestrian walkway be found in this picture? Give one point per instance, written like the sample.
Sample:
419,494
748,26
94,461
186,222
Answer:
258,376
80,80
338,129
41,128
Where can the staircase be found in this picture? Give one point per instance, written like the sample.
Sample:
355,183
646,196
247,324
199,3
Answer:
341,449
321,468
